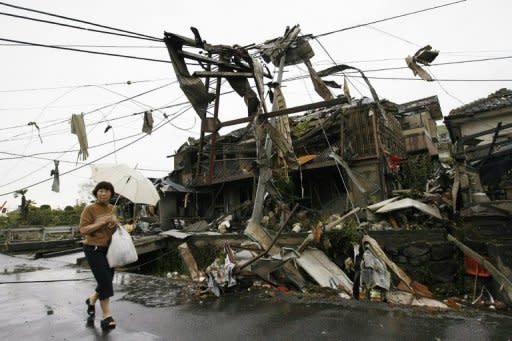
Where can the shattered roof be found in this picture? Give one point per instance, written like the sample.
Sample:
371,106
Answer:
497,100
429,103
165,184
242,135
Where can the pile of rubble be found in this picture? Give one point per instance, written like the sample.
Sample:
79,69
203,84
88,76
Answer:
368,274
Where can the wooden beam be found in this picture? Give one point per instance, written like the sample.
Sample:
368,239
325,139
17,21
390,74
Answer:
465,138
505,283
205,59
316,105
222,74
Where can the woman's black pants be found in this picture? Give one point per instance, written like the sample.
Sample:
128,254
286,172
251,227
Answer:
97,259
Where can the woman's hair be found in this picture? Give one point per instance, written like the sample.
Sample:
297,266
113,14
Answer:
103,185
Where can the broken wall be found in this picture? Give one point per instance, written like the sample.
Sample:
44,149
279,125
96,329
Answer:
426,255
367,133
168,209
371,177
323,189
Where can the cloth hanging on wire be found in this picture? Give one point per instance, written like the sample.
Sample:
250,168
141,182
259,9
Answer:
319,85
55,174
418,70
38,130
425,56
147,127
78,128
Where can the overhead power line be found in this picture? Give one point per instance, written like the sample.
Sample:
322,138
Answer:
162,124
440,80
76,20
58,122
394,36
85,51
385,19
405,67
99,46
131,97
128,82
76,27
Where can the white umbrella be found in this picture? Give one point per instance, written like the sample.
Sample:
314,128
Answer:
127,182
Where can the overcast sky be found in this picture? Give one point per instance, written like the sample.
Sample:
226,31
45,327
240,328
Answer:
466,31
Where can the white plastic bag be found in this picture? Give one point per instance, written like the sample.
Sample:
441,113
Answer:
121,250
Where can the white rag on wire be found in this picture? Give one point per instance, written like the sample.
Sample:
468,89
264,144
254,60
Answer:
78,128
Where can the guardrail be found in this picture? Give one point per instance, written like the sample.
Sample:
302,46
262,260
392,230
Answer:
37,233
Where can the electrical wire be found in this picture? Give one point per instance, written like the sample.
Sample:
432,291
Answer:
74,19
332,59
385,19
98,46
60,121
76,27
86,51
444,89
393,36
44,166
84,85
441,80
100,108
162,124
60,131
405,67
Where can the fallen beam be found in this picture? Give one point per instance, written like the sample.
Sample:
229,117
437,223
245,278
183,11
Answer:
504,282
222,74
300,108
339,220
190,262
410,285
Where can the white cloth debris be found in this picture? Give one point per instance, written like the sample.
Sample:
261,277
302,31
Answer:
78,128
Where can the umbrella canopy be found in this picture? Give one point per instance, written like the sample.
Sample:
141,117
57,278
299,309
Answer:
127,182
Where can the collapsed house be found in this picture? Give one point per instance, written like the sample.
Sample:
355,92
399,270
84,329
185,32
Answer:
362,138
418,122
482,132
369,160
339,155
371,149
482,149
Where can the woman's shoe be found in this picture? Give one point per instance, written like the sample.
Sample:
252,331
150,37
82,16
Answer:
108,323
91,310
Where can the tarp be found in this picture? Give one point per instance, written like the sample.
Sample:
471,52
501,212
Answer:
408,203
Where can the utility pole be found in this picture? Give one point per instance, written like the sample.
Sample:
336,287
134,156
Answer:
264,159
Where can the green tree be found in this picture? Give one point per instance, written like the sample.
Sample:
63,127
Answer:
416,170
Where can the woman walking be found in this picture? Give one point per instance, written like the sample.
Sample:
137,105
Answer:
98,223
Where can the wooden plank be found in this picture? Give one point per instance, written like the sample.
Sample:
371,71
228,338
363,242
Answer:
300,108
205,59
222,74
505,283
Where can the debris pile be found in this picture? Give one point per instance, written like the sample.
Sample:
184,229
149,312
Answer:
377,158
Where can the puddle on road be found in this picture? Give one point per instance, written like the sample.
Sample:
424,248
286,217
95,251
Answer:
152,291
19,268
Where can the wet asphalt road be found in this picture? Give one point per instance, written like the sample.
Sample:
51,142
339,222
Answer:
149,308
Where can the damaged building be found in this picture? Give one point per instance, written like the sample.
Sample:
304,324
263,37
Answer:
339,156
372,148
316,154
481,131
